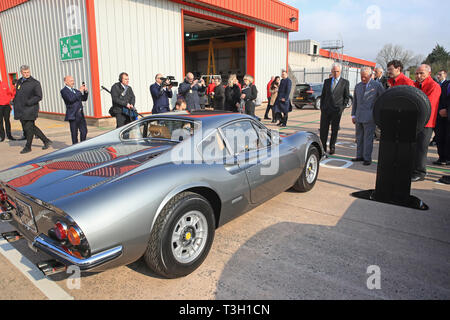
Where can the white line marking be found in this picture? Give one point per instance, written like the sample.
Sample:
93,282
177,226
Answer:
29,270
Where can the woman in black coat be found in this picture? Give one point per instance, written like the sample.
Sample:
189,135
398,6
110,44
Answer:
232,94
219,95
249,95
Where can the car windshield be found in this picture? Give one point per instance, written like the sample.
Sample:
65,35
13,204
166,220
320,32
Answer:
169,129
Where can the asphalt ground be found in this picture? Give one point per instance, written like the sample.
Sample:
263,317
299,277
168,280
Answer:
324,244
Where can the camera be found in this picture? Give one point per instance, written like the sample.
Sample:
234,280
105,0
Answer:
171,82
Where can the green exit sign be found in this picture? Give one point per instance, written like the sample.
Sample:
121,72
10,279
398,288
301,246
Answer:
71,47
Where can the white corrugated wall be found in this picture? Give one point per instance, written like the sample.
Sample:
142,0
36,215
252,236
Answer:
143,38
31,34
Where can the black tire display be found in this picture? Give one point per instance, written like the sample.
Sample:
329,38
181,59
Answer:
310,172
181,237
404,98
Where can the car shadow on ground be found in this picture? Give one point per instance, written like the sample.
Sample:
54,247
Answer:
300,261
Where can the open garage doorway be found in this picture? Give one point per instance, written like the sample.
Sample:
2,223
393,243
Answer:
216,47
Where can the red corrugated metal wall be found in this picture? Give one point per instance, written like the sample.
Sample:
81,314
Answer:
7,4
270,11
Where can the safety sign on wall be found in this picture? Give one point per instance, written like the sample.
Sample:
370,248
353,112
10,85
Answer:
71,47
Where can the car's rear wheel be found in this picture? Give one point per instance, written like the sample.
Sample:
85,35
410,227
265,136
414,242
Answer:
317,103
181,237
310,172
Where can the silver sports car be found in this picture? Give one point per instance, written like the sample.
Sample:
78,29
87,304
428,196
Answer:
156,188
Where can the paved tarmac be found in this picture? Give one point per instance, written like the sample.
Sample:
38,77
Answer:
324,244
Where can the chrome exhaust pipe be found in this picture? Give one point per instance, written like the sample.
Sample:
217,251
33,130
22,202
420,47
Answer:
12,236
51,267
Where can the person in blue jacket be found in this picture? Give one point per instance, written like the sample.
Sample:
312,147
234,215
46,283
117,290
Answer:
73,99
161,91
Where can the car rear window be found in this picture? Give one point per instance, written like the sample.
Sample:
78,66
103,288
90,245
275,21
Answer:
300,88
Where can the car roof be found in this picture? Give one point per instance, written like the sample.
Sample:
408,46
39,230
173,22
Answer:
208,118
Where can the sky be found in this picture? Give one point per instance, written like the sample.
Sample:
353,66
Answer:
365,26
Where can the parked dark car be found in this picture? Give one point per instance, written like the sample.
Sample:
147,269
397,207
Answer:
310,94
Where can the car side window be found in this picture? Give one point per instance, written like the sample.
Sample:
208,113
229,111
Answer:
213,147
264,137
241,137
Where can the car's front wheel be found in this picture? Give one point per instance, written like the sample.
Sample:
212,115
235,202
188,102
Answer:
310,172
181,237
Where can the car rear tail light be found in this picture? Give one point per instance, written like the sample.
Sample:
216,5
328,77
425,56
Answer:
310,91
60,230
74,235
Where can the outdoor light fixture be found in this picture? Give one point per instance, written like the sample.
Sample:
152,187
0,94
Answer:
293,19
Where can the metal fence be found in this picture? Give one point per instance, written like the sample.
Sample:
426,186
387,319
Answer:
353,75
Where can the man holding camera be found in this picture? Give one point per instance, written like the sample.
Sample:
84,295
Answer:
190,89
73,99
161,91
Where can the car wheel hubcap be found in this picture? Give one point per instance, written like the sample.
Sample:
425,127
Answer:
189,237
311,169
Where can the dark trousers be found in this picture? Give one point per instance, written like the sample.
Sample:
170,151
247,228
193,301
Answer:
443,138
122,120
269,106
30,130
327,119
250,109
78,125
423,141
5,111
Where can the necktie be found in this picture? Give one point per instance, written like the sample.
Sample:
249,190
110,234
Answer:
334,85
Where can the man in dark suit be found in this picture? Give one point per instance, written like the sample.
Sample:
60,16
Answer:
190,91
122,97
73,99
283,102
442,129
161,92
379,77
335,97
26,108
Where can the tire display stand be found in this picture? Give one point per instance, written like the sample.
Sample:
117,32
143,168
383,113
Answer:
401,113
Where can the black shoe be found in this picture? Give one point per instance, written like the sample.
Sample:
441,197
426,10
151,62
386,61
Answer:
283,125
279,124
440,162
11,138
445,179
2,139
274,121
367,163
332,151
357,160
25,150
22,139
267,118
417,178
47,144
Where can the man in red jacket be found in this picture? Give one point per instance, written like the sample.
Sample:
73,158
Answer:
5,109
425,83
396,76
